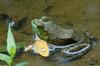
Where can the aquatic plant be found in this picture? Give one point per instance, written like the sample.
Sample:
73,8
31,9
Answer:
11,49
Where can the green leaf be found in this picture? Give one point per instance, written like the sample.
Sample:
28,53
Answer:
5,58
22,64
11,47
19,45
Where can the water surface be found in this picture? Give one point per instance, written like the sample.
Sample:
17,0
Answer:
84,14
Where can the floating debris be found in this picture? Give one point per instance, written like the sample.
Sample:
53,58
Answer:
41,47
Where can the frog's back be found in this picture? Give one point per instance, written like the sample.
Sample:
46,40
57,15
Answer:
56,31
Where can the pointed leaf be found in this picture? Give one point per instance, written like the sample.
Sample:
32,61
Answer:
11,47
5,58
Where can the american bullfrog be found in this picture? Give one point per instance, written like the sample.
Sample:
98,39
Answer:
72,50
56,33
55,30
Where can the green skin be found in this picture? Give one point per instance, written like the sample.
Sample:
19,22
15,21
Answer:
41,33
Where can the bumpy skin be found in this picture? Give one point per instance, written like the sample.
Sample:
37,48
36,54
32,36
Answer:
55,31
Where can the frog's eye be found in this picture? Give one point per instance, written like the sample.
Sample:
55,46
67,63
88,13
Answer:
45,19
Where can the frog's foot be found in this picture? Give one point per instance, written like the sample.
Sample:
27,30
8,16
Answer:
77,49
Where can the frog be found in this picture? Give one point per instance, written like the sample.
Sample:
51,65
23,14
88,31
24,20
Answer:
56,33
72,50
55,30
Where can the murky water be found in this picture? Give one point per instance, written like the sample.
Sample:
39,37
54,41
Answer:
84,14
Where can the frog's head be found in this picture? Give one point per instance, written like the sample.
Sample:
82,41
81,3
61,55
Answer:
38,27
40,21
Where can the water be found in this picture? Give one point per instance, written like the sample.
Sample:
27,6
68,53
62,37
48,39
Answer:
84,14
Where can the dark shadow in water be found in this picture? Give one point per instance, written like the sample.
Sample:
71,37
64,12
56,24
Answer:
19,24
